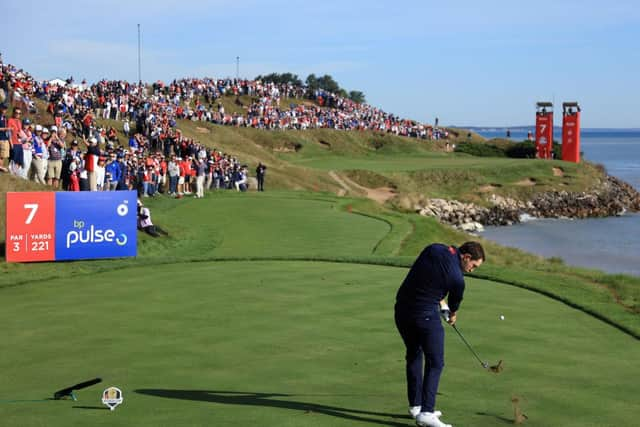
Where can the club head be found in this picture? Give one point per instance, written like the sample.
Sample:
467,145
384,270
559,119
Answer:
496,369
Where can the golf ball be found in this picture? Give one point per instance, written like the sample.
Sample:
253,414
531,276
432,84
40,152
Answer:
501,317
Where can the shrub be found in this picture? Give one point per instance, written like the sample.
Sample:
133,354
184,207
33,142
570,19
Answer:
522,150
527,150
480,150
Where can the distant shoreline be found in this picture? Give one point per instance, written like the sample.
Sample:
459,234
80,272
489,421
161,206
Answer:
532,127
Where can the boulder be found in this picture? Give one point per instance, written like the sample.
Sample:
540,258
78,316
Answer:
611,197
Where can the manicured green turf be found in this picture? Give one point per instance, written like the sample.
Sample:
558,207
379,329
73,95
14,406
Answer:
194,338
296,343
289,225
385,163
271,226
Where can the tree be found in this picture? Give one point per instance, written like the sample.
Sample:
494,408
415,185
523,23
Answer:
281,78
357,96
292,78
312,82
327,83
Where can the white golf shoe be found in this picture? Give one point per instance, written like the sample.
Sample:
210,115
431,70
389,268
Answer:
430,419
415,411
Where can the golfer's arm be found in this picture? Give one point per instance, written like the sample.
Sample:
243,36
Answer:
456,292
452,314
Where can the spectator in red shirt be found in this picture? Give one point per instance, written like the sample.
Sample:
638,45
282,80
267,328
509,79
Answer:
181,177
16,135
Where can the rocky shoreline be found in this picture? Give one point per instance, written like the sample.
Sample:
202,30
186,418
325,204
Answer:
613,197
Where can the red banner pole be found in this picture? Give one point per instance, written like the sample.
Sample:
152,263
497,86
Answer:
571,132
544,131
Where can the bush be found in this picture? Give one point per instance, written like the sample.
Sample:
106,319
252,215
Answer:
519,150
480,150
522,150
527,150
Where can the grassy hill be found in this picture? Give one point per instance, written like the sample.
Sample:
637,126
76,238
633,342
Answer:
276,307
414,169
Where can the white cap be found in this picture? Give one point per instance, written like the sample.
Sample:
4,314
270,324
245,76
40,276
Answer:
54,128
45,130
38,127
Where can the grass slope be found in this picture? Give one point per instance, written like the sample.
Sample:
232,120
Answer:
412,167
287,225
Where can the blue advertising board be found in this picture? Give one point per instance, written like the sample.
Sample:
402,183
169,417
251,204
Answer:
95,224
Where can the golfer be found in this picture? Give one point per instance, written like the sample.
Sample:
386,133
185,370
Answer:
436,273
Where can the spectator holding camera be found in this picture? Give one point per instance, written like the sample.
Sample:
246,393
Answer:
113,172
145,224
54,165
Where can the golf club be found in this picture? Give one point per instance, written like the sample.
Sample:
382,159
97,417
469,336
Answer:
68,392
485,365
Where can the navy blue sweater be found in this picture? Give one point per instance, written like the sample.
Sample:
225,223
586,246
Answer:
435,273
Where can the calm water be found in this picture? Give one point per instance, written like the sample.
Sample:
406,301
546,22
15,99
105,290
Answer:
608,244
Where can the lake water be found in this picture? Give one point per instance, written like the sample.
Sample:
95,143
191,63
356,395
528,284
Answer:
609,244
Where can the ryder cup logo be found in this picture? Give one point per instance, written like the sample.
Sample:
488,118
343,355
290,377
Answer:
112,397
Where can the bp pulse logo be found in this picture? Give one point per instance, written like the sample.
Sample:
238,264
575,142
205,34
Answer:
112,397
84,233
95,224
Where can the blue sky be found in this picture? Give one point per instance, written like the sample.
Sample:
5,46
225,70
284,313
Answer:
467,62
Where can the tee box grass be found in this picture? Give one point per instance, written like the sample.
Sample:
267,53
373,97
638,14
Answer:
277,309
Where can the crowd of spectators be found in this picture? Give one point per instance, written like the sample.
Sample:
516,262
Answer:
149,153
322,109
71,152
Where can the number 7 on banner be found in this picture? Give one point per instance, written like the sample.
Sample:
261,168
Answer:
34,208
30,234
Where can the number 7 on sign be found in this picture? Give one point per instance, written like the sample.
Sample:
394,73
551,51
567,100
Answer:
34,209
31,226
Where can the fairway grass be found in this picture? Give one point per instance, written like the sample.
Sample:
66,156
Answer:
290,343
